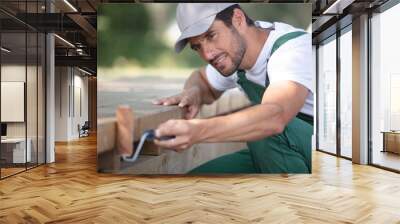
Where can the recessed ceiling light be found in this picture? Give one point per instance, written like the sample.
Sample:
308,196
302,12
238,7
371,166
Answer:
86,72
64,40
70,5
337,7
5,50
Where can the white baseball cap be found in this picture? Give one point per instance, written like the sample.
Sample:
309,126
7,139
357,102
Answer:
195,18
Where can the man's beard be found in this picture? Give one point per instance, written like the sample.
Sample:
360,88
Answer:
238,54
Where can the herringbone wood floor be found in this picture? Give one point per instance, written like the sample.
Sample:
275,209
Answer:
71,191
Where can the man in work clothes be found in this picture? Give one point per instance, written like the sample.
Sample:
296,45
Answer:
271,63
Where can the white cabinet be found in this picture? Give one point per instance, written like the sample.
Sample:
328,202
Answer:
17,147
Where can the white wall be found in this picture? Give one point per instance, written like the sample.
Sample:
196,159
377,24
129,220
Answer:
62,81
71,93
80,109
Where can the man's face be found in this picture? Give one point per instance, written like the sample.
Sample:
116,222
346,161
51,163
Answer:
221,46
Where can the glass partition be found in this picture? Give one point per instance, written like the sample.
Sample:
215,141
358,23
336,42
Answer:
346,92
14,153
327,95
385,89
22,77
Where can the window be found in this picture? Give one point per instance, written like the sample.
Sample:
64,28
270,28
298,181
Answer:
327,95
385,89
345,92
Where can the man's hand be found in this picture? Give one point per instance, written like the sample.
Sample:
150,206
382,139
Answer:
186,132
190,99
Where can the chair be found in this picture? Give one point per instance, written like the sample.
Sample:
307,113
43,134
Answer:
84,130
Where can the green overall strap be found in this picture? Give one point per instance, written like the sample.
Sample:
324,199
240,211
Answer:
255,91
279,42
285,38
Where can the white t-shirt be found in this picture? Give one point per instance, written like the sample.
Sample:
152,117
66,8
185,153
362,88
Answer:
291,61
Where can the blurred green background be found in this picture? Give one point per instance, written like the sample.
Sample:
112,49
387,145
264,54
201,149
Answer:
142,35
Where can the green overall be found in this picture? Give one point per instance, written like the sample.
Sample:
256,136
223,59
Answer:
287,152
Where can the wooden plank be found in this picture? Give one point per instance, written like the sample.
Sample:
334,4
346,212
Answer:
171,162
142,122
152,121
106,134
154,160
108,146
230,101
107,158
125,127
